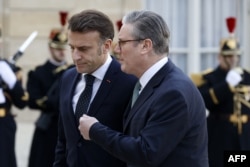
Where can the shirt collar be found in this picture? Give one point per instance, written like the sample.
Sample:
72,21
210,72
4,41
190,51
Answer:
101,71
152,71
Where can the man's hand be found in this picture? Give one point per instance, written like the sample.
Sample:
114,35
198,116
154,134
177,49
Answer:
85,124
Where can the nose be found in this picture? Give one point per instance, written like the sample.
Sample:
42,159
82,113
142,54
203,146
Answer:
62,51
76,54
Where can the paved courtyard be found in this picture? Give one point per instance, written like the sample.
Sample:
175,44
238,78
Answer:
25,127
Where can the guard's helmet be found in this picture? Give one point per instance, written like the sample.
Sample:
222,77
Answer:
230,45
58,36
58,39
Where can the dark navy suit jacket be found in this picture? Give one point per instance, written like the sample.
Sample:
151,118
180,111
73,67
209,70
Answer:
166,127
108,107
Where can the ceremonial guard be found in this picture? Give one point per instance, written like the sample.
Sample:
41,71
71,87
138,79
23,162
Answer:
11,93
42,87
226,92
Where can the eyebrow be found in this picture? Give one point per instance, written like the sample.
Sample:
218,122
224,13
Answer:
80,47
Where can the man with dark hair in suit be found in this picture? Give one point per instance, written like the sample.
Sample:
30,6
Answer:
166,125
96,86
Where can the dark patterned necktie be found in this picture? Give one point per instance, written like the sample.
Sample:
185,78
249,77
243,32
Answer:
136,91
84,99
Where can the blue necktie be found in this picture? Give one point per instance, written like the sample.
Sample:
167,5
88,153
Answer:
84,99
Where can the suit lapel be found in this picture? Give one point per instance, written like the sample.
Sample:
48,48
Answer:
145,94
105,88
72,86
148,91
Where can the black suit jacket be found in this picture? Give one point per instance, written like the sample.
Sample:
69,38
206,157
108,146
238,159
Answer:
108,107
166,127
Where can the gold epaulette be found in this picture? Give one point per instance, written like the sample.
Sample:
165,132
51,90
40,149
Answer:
198,79
60,68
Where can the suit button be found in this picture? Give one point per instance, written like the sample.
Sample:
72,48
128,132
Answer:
79,144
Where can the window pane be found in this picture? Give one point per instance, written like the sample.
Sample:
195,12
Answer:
208,60
213,20
175,13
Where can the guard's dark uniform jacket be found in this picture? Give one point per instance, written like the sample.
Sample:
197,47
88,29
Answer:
219,99
18,97
42,88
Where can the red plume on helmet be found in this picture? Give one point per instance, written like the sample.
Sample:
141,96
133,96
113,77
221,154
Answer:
231,24
119,24
63,17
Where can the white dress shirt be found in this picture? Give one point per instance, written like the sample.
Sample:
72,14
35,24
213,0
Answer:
147,75
98,74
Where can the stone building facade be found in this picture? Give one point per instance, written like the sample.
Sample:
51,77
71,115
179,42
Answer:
19,18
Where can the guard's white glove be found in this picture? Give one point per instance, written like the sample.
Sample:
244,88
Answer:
7,74
233,77
2,97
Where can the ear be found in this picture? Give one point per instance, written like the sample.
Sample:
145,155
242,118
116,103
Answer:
107,46
147,45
